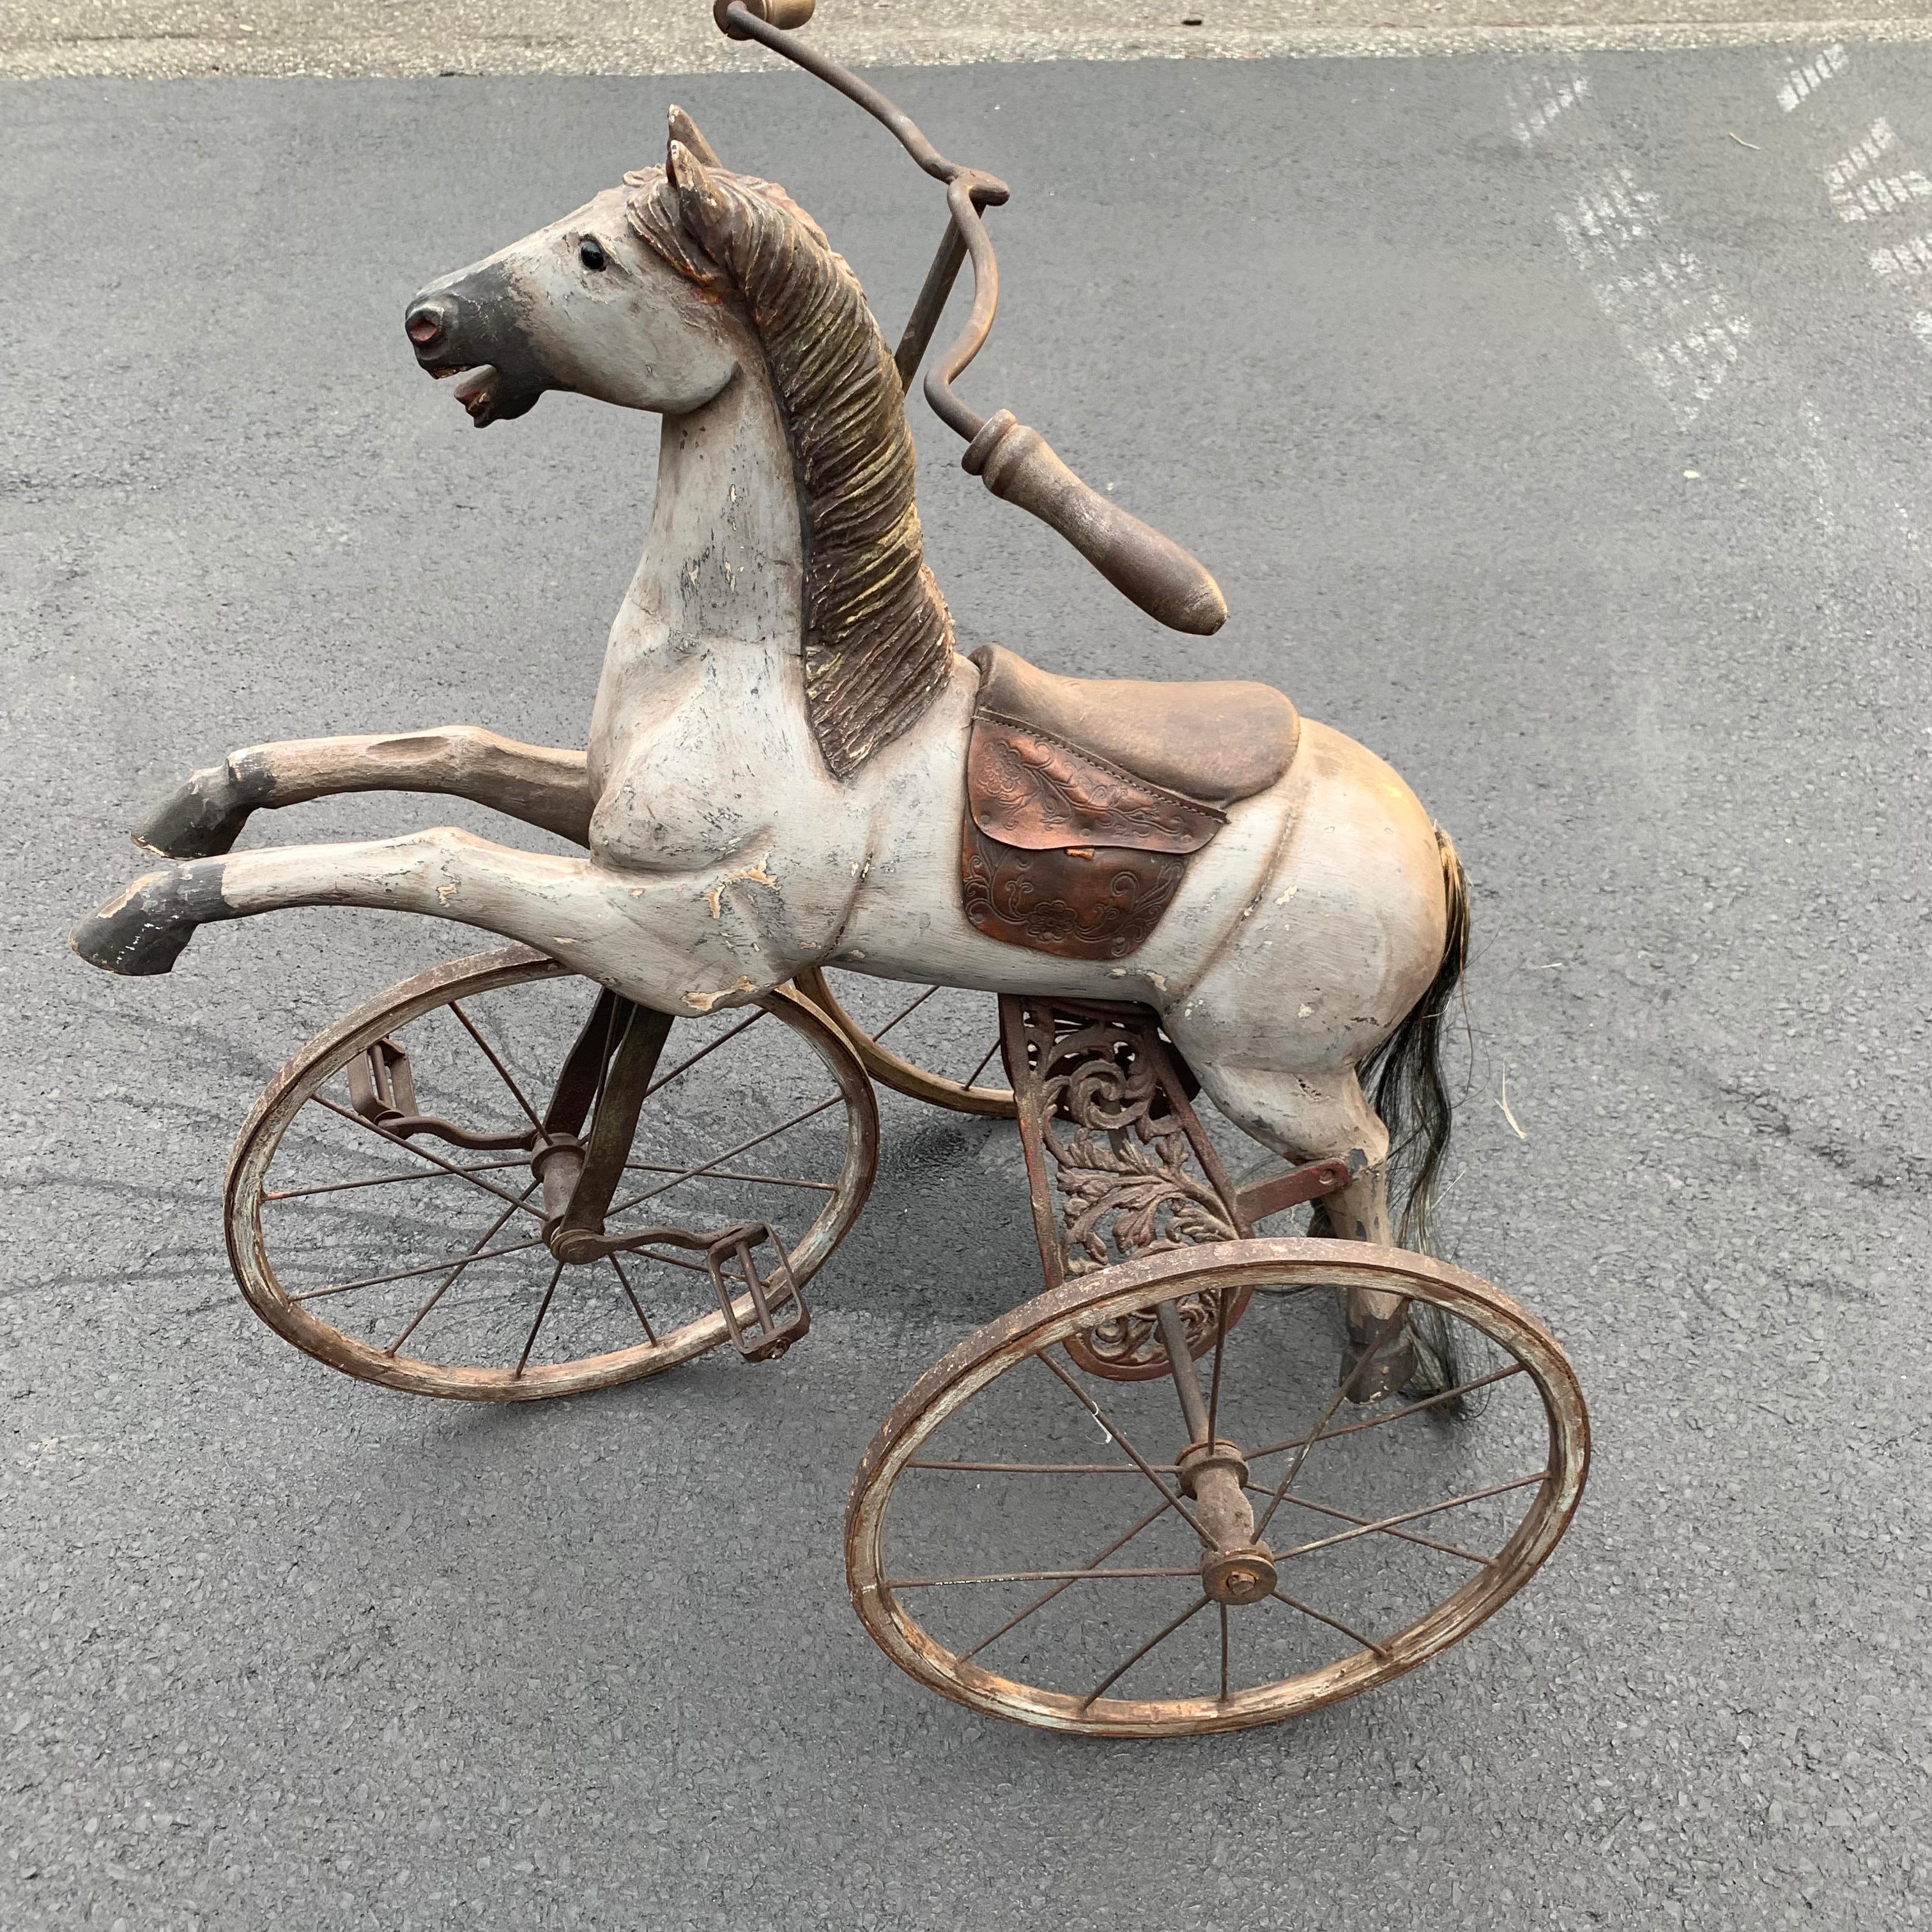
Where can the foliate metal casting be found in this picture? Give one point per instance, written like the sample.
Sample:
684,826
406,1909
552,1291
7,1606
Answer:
1117,1160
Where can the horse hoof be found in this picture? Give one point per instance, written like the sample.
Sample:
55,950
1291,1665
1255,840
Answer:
1369,1373
143,931
205,813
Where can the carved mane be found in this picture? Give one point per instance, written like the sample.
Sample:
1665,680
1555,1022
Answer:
878,639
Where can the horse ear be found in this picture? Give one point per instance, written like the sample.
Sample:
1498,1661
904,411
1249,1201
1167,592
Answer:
701,200
684,130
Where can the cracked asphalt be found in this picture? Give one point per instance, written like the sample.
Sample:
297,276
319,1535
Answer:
1556,426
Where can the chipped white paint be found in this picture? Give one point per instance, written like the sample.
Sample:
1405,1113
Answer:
1538,95
748,875
1805,81
1857,192
1675,320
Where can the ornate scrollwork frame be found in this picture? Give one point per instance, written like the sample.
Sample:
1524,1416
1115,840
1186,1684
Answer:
1117,1162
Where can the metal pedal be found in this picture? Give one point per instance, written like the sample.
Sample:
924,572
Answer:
780,1316
381,1087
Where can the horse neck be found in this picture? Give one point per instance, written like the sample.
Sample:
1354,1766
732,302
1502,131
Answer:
722,566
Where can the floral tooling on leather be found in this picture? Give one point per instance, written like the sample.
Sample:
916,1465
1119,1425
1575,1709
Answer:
1065,852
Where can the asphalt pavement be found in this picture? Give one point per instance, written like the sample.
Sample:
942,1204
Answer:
1556,426
154,39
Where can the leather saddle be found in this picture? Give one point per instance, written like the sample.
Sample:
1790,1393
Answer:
1086,797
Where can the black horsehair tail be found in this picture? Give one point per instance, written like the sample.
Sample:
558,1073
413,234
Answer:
1403,1081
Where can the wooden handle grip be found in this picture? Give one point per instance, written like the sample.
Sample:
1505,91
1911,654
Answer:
1172,587
786,13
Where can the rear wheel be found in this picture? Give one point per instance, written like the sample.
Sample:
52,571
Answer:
1240,1543
945,1040
420,1262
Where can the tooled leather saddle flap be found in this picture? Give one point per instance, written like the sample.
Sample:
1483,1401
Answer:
1027,788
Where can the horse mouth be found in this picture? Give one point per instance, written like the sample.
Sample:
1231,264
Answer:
475,388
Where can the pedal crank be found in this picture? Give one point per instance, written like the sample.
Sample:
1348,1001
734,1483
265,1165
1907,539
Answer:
383,1090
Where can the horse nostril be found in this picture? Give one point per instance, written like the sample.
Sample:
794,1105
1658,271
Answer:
427,321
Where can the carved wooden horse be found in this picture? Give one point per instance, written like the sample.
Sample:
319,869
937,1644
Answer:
777,775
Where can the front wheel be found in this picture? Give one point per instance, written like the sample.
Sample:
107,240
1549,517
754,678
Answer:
418,1259
1241,1542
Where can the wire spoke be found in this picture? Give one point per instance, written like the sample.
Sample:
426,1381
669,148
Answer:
1214,1383
684,1066
410,1146
1393,1414
531,1341
1413,1515
1224,1652
1040,1603
724,1174
1047,1468
1334,1623
1389,1324
905,1012
1159,1636
442,1287
1114,1435
1032,1577
1362,1522
384,1181
985,1062
1294,1469
729,1154
650,1332
490,1054
411,1273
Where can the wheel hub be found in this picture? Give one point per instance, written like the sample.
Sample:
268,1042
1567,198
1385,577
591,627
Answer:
1235,1568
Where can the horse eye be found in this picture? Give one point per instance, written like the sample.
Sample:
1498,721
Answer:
589,253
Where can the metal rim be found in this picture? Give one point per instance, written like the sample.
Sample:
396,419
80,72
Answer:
291,1088
1048,1319
892,1070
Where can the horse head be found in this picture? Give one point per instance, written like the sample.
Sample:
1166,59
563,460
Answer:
616,301
656,295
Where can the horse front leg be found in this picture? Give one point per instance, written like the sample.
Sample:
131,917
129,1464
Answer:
205,813
596,920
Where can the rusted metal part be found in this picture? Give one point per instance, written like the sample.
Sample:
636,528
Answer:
894,1068
1016,462
926,311
1025,787
614,1125
1118,1164
1130,1290
383,1090
303,1321
1261,1198
779,1313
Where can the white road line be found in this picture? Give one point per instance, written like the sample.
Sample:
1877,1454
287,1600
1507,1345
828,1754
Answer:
1538,95
1674,319
1857,193
1903,261
1803,82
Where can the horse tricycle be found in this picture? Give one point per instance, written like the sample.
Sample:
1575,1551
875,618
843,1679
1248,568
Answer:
1208,1478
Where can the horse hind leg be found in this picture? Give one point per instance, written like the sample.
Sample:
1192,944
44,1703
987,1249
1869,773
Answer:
205,813
1327,1116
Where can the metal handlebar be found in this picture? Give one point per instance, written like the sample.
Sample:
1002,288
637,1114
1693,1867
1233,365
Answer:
1015,463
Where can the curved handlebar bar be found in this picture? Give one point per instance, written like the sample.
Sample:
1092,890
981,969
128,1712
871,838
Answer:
1015,462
